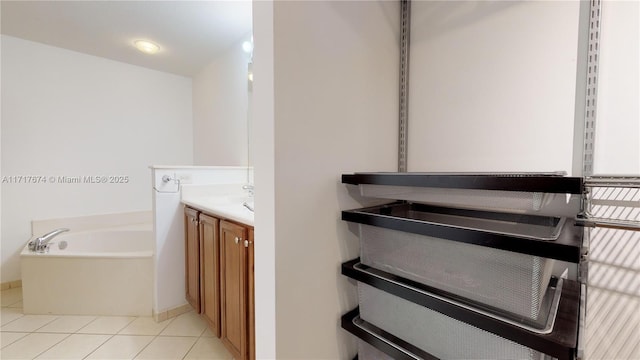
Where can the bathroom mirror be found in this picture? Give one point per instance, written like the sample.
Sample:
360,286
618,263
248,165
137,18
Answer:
250,149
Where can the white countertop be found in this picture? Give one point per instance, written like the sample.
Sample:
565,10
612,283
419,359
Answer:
222,201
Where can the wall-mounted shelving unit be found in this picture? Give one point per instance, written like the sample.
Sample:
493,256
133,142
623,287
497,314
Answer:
476,278
537,235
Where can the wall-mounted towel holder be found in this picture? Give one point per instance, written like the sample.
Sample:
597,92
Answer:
166,179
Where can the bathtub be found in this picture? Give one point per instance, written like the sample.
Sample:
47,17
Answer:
106,271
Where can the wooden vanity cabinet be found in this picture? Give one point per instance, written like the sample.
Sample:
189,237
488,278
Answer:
252,298
220,279
192,258
236,288
210,271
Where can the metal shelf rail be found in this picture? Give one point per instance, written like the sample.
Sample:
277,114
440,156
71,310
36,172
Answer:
613,202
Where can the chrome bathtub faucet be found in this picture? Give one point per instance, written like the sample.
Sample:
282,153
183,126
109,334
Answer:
41,244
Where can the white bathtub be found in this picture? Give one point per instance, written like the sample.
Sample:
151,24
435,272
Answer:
99,272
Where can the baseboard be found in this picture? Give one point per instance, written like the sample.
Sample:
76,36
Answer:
171,313
11,285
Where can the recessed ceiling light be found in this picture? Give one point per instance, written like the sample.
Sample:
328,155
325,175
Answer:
146,47
247,46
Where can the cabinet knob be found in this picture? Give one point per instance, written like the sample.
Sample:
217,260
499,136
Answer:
237,239
247,243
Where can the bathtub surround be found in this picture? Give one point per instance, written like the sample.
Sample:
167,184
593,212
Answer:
104,268
169,291
87,285
69,114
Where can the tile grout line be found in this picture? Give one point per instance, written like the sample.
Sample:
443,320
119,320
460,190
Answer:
87,324
99,346
77,332
190,348
16,340
3,325
104,316
152,340
146,346
111,335
50,347
53,345
29,332
194,343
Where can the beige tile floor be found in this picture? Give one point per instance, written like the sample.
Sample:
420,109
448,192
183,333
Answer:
102,337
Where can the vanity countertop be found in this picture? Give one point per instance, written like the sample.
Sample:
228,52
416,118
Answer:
224,207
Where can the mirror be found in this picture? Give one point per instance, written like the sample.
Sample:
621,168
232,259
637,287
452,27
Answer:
250,155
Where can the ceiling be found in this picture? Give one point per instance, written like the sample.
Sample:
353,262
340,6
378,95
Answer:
190,33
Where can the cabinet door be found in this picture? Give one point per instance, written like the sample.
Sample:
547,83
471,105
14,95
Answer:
252,297
210,271
192,258
234,288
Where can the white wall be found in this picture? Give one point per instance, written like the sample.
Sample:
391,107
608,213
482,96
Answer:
220,109
168,226
613,297
71,114
617,141
492,85
262,150
335,102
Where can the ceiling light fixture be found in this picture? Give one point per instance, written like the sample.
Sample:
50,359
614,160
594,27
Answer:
146,47
247,46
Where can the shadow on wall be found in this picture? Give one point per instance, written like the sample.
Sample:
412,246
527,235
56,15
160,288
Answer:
613,296
347,237
444,16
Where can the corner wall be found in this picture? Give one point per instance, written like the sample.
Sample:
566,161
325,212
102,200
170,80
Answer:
335,69
67,114
262,151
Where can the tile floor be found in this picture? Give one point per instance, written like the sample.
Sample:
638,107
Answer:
102,337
